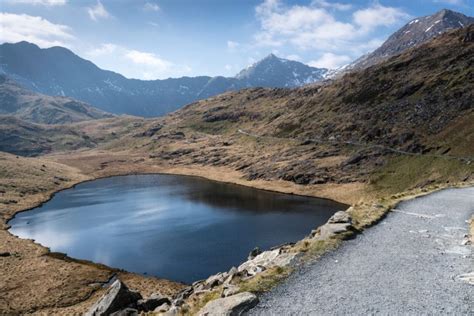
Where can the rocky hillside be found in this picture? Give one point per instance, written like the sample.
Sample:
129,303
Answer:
58,71
412,113
38,108
414,33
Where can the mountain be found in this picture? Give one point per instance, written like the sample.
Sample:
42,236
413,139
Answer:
58,71
399,124
277,72
38,108
416,32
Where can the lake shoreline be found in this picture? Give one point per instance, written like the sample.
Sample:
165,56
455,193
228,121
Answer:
144,284
191,211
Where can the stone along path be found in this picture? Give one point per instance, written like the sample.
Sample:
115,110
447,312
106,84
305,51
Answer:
413,262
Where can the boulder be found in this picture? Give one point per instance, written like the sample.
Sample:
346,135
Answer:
117,298
328,230
152,302
162,308
255,252
230,306
229,290
262,260
340,217
185,293
215,280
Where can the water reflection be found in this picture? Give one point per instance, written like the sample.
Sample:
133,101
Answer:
176,227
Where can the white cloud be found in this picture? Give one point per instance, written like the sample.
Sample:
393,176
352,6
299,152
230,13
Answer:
104,49
148,59
232,45
34,29
332,5
315,27
98,11
134,63
151,7
378,15
39,2
330,61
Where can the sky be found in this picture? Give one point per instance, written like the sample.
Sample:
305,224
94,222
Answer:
157,39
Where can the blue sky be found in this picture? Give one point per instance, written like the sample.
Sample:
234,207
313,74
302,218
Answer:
151,39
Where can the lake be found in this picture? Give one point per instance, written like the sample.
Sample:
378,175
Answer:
174,227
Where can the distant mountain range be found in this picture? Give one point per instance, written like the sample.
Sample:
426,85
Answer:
414,33
42,109
58,71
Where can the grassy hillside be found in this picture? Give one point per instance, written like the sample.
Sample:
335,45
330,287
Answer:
394,126
38,108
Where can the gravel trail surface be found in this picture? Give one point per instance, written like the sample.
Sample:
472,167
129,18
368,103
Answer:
412,262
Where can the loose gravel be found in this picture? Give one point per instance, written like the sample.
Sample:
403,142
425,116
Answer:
409,264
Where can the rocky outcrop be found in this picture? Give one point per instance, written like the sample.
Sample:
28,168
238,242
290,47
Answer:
231,306
151,303
118,298
340,222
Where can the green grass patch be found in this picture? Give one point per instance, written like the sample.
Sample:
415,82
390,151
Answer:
265,281
407,172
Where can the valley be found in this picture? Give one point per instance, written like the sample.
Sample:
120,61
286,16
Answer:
394,130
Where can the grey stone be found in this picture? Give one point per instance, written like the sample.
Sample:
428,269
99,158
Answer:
215,280
162,308
230,306
174,310
340,217
118,297
229,290
255,252
152,302
328,230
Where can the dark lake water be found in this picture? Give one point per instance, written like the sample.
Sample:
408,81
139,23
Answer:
174,227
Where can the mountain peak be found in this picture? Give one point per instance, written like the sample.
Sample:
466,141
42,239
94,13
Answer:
414,33
271,56
277,72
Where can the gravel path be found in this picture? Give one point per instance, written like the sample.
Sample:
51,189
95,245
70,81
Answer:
407,264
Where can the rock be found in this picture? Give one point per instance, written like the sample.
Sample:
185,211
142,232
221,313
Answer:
233,272
185,293
284,259
254,270
262,259
266,260
255,252
162,308
174,310
229,290
152,302
126,312
215,280
118,297
178,302
340,217
329,230
232,305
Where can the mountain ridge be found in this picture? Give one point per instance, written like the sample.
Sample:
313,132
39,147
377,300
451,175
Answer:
42,109
58,71
418,31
